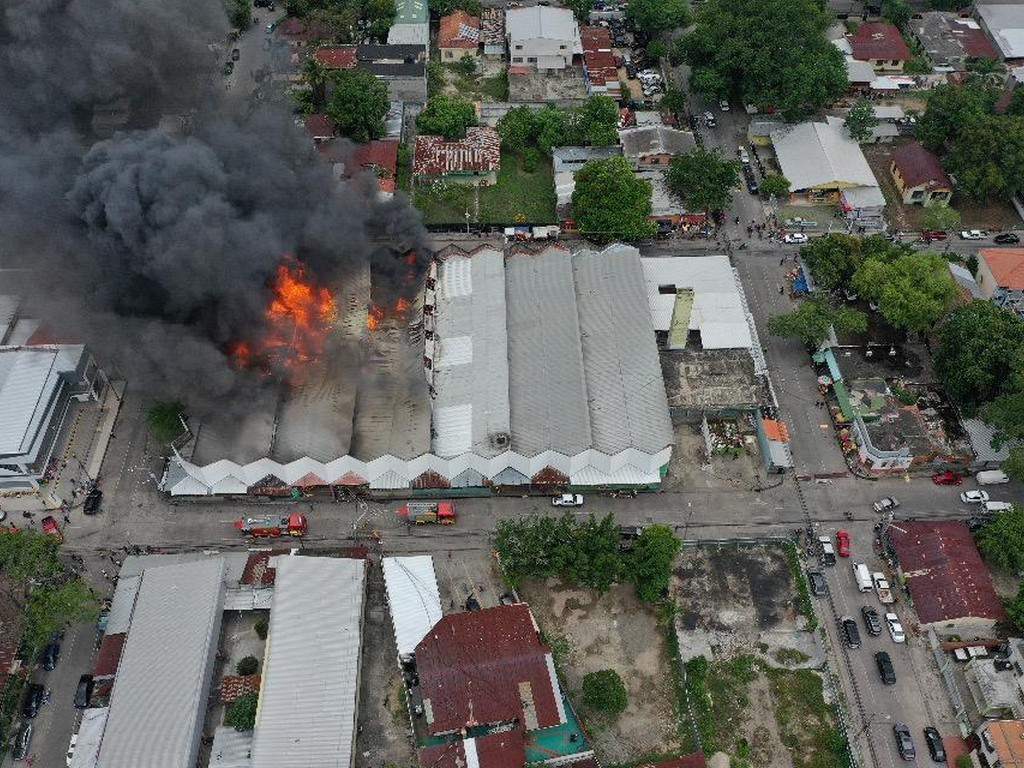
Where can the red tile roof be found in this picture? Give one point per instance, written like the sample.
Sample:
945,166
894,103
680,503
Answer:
479,152
944,571
919,166
381,157
977,45
480,667
234,687
336,57
109,655
319,126
257,570
496,750
459,30
598,59
878,40
1006,266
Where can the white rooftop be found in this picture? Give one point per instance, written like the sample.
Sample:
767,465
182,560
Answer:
821,154
29,377
413,599
1005,23
541,21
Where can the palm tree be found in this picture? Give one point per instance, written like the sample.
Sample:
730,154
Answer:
316,77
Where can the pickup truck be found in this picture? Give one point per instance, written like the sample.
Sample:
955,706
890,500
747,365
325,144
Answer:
882,588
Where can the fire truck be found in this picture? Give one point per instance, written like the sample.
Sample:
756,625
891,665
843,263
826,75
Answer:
426,512
273,526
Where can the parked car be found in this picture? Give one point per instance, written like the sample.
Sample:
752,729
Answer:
843,543
974,497
34,693
92,501
83,692
871,621
235,54
935,746
1006,238
885,668
885,504
947,478
743,155
22,742
904,741
229,67
848,628
795,237
567,500
709,120
723,105
51,654
972,234
929,235
826,550
819,586
752,186
998,506
895,628
975,524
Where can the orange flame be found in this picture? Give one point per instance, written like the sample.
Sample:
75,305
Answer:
402,306
374,317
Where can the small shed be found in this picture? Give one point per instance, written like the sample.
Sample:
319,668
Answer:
413,598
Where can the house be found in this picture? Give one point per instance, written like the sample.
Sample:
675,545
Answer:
1001,277
542,37
411,25
982,438
458,36
334,57
1000,744
845,9
881,45
500,749
1003,23
825,165
949,582
401,67
566,161
298,33
492,31
319,127
950,40
474,160
919,176
599,66
651,145
380,158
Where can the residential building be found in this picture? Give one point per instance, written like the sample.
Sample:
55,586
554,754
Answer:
880,44
825,165
458,36
599,67
1001,744
542,37
919,177
413,600
951,40
566,161
1004,24
492,31
500,749
473,160
982,437
949,582
654,145
997,689
665,207
380,158
411,25
846,9
1001,277
335,57
319,127
401,66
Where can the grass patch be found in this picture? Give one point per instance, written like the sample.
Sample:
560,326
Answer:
495,87
803,592
519,197
443,203
806,723
718,696
791,656
685,726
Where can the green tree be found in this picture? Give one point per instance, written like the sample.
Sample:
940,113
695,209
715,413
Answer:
466,66
656,50
1014,464
447,116
164,420
553,128
950,109
987,158
832,260
649,565
1001,541
378,16
518,129
51,609
913,291
358,104
861,120
980,351
652,17
316,78
775,185
1006,414
940,217
703,179
261,628
604,691
598,119
248,665
611,203
674,100
897,13
28,555
240,13
581,9
773,53
810,322
241,713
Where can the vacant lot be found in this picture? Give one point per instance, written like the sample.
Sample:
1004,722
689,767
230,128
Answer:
591,632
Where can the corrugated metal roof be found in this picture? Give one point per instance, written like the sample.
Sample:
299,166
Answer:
307,712
119,618
539,22
981,435
231,748
28,378
820,154
90,731
413,598
159,699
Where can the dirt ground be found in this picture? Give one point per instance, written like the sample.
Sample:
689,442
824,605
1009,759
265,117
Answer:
591,632
689,467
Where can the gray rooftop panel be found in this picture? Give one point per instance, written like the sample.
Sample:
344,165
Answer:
160,692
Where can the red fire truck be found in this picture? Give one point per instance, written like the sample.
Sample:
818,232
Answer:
273,526
426,512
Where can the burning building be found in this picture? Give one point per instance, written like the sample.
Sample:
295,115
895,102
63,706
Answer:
507,372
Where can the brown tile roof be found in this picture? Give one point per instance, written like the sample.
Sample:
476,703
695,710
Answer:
336,57
109,655
598,58
944,571
878,40
479,152
234,687
1006,266
1007,737
257,570
459,30
382,158
486,667
496,750
319,126
919,166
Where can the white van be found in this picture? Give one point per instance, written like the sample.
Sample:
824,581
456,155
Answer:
991,477
863,577
998,506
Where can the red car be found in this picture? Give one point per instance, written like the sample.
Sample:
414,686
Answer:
51,527
843,543
933,234
947,478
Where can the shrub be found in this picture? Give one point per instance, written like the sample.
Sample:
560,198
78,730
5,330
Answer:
241,715
605,692
532,158
248,666
261,629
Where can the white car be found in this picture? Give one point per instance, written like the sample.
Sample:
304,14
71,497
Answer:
795,237
974,497
567,500
998,506
71,748
972,234
895,628
723,105
743,155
